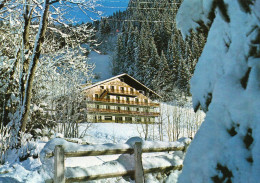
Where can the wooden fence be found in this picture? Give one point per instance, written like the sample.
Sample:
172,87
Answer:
138,173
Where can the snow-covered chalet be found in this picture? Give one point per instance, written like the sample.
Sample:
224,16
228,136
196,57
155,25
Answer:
121,99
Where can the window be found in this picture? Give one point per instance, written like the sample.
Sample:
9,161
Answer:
118,119
145,101
122,89
127,99
136,100
108,107
117,98
97,106
137,109
102,87
128,119
138,119
128,108
112,88
118,108
108,117
131,90
96,96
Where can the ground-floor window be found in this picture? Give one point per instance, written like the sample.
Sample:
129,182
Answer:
119,119
108,117
128,119
138,119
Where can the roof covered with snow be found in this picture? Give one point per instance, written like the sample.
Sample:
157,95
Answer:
130,81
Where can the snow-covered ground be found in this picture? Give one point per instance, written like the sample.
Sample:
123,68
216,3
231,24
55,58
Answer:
34,170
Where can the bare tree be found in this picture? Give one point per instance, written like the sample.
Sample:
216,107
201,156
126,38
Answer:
36,15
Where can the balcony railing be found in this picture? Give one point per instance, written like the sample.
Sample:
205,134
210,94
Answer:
137,113
113,101
123,92
119,121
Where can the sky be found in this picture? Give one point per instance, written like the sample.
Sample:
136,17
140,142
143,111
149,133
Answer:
108,7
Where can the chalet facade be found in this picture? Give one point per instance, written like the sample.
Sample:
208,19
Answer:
121,99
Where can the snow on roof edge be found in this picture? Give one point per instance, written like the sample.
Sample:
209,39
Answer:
120,75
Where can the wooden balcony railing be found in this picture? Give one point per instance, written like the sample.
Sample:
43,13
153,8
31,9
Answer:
113,101
124,92
137,113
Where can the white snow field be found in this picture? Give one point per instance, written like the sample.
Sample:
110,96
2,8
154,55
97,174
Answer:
40,169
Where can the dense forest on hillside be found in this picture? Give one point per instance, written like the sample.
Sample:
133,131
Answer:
150,48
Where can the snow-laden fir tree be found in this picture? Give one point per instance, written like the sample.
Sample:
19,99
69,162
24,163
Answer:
226,84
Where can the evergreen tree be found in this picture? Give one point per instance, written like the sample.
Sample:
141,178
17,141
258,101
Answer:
152,25
118,58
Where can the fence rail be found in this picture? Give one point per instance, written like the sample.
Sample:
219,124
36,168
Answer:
138,173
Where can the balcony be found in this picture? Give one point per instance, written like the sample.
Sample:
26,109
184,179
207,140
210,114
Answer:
113,101
122,92
123,112
119,121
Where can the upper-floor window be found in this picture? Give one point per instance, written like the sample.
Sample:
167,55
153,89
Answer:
131,90
136,100
122,89
112,88
96,96
145,101
102,87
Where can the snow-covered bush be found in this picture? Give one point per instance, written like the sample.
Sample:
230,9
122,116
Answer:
226,85
4,142
28,147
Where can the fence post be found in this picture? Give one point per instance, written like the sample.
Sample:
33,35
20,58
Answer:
59,167
139,172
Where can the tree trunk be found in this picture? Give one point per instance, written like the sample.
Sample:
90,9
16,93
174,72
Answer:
33,65
27,22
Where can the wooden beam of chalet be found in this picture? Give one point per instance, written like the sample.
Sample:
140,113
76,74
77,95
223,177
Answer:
102,176
116,151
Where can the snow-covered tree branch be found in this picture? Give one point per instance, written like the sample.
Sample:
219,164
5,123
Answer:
226,85
27,23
